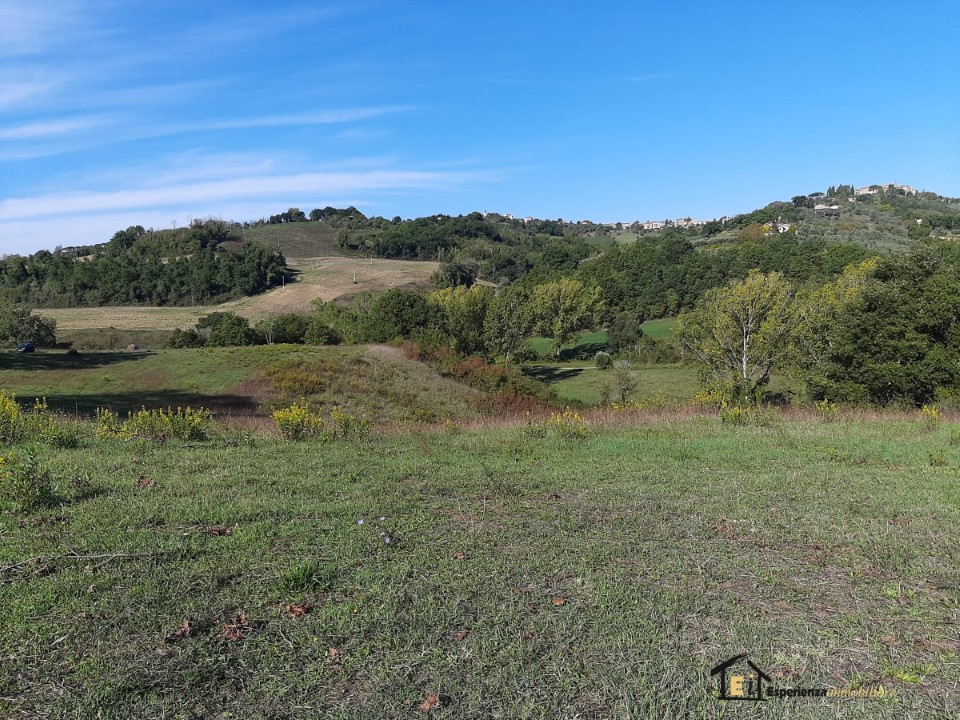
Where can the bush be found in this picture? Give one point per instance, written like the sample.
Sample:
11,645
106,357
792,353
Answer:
298,422
64,437
603,360
182,424
24,481
186,339
11,419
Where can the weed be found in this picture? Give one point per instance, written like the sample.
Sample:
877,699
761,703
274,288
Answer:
827,411
938,458
305,575
931,417
65,436
25,481
734,415
344,426
180,424
297,422
568,425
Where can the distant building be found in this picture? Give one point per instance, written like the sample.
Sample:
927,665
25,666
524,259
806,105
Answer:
874,189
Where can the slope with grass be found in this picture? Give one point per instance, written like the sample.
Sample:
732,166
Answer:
376,381
524,577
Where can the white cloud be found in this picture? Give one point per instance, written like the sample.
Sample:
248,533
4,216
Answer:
52,127
220,190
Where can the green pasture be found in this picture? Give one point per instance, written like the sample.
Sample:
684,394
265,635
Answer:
528,574
375,381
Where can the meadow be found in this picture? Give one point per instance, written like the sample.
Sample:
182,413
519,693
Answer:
375,381
594,567
327,278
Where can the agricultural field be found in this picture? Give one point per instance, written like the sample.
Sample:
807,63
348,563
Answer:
594,567
325,278
374,381
302,240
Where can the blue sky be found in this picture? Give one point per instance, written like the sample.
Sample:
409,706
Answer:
116,112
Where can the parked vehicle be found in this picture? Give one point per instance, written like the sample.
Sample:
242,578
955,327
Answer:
25,347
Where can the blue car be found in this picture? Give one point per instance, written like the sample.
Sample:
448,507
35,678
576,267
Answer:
25,347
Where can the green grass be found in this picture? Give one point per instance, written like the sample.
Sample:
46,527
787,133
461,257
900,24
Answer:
525,578
586,346
580,383
659,328
298,240
377,381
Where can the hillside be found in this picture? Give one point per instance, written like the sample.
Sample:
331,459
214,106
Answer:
327,278
374,381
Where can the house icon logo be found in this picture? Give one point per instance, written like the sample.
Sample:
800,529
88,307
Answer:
740,679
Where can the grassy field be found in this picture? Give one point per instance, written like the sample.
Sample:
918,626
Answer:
659,328
376,381
580,383
302,240
524,577
325,278
585,347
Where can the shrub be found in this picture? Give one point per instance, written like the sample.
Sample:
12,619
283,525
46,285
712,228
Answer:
24,481
297,422
931,417
734,415
603,360
11,419
64,437
189,338
182,424
347,427
827,410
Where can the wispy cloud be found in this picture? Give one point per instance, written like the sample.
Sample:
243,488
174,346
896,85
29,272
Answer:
206,193
30,131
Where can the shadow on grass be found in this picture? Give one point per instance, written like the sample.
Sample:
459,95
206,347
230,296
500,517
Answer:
63,361
550,374
122,403
583,351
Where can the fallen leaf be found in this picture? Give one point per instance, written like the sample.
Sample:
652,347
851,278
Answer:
333,655
553,496
559,601
238,629
527,635
297,609
219,530
461,634
531,606
460,555
430,702
144,481
184,631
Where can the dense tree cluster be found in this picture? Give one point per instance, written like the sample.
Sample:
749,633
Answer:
886,331
136,269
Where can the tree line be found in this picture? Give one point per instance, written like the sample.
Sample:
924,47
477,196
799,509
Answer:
134,269
886,331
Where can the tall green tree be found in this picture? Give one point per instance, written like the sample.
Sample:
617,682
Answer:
563,308
739,332
19,324
508,322
464,311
